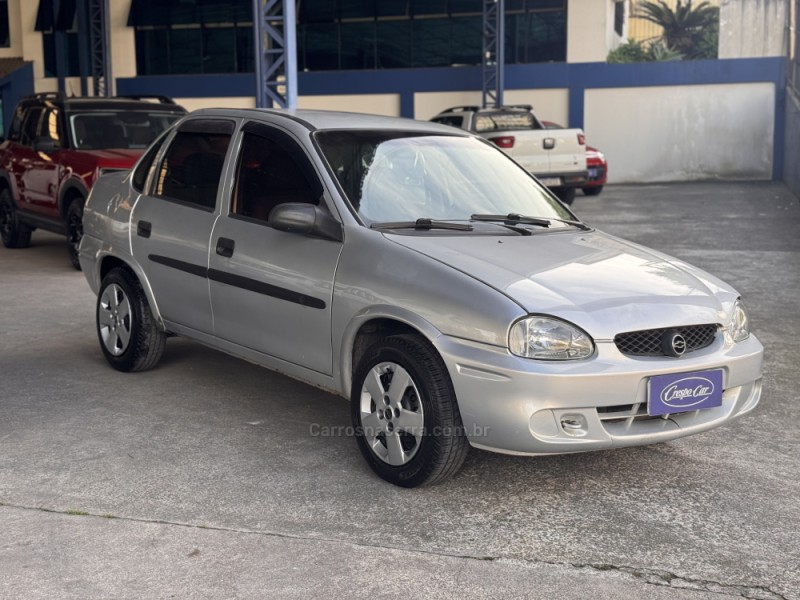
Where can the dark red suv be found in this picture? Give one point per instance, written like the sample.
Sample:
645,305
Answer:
57,147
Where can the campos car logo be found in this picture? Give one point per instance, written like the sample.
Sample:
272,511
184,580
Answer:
687,392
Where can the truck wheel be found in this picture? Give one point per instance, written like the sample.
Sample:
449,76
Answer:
405,414
565,194
14,233
129,335
593,191
75,231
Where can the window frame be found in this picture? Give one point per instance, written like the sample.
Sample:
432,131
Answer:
207,126
271,132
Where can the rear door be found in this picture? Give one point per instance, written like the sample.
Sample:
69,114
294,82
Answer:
41,177
271,291
171,223
24,157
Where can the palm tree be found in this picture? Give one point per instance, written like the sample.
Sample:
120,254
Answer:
684,26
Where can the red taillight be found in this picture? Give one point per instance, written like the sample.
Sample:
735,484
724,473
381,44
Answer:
507,141
581,139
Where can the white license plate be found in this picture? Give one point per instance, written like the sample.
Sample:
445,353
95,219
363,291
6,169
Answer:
550,181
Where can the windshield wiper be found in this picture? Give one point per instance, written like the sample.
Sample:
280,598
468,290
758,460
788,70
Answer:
422,225
514,219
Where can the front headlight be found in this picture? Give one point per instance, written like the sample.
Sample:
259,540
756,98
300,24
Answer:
739,327
546,338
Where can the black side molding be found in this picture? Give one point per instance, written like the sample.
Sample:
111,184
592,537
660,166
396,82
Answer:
244,283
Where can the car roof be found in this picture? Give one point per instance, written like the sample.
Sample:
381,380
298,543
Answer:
326,119
99,103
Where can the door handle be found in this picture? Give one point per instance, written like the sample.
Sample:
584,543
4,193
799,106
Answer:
549,143
143,229
225,247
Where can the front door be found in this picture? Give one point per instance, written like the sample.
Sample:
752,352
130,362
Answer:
172,221
271,291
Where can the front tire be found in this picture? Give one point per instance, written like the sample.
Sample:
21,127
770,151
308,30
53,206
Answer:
129,335
13,233
405,414
75,231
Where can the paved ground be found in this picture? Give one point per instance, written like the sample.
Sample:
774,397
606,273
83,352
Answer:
201,479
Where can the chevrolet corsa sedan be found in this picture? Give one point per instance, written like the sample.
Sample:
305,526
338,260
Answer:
421,273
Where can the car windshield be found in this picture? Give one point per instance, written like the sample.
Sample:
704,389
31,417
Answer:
404,176
132,129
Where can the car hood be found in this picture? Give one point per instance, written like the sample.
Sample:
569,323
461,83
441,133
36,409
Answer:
603,284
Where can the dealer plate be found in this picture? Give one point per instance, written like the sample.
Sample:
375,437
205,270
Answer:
681,392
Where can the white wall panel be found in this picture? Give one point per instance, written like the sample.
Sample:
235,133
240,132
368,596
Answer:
683,133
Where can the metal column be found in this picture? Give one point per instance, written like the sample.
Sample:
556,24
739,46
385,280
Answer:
493,52
276,53
100,47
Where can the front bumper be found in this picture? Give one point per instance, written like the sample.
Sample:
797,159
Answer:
519,406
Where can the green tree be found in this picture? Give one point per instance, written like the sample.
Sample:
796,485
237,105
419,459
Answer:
688,30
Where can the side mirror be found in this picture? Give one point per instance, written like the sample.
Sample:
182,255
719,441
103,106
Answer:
45,144
305,219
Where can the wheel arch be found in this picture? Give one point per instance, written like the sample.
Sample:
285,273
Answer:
372,324
5,184
107,262
70,190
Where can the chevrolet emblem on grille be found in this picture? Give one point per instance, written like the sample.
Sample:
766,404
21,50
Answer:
673,344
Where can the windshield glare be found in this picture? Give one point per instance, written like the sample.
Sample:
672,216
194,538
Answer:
403,176
118,129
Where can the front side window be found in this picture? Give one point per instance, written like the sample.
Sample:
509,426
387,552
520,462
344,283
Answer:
405,176
268,175
51,126
118,129
192,167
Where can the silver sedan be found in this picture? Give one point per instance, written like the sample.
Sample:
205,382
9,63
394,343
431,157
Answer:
419,272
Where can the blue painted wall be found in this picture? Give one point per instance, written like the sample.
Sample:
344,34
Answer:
577,78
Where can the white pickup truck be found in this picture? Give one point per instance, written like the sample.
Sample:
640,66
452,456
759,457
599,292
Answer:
557,157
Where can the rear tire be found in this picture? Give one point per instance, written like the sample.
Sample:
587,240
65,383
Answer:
75,231
566,195
129,335
593,191
14,233
404,411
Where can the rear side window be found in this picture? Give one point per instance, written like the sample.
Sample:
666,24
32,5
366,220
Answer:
143,169
30,127
192,167
505,121
452,121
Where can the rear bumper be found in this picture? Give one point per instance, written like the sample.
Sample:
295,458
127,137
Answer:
573,179
517,406
598,174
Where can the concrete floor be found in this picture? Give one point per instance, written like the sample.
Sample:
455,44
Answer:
201,478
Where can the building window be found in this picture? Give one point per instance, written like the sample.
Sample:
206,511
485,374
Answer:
179,37
5,40
60,27
360,34
216,36
619,17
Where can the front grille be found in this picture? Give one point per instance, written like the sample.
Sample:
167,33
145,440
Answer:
648,342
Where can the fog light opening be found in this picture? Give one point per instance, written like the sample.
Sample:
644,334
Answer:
574,425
